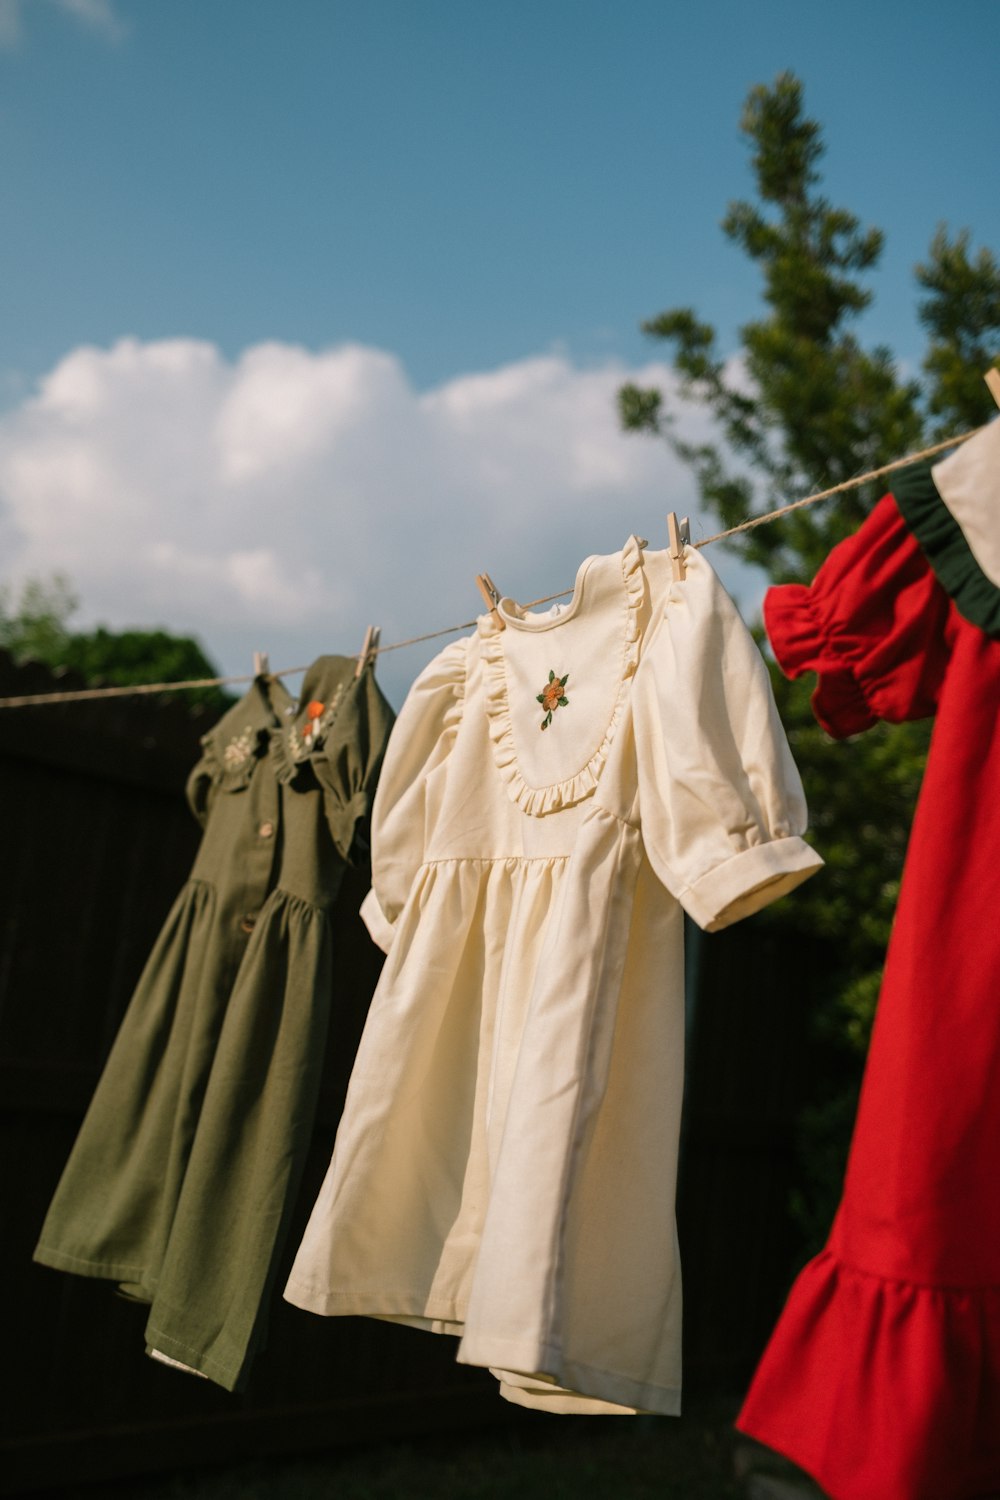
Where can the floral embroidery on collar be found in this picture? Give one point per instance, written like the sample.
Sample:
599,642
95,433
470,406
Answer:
553,696
319,717
239,749
314,713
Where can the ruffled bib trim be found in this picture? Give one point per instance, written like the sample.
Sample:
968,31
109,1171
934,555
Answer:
536,801
945,546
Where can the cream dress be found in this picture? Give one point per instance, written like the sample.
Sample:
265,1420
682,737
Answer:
555,795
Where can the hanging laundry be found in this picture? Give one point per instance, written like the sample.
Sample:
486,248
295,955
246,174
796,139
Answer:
185,1168
560,787
882,1377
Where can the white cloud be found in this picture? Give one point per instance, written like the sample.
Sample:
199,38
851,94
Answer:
96,15
284,500
10,23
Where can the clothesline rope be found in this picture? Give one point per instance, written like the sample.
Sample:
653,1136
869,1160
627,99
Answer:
132,690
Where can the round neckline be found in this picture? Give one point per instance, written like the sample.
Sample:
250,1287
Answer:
535,624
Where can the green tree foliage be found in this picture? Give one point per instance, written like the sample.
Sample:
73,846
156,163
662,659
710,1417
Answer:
35,625
961,312
802,406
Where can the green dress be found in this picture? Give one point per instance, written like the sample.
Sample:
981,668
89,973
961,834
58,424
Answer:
181,1180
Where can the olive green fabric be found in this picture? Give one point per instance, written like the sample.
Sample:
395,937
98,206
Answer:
182,1177
944,543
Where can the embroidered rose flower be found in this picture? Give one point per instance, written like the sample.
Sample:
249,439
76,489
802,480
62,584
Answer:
553,696
314,713
318,718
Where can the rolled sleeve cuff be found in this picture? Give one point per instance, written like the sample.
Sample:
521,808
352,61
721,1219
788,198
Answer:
748,881
380,928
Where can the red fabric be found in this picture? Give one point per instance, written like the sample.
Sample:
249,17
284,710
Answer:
882,1377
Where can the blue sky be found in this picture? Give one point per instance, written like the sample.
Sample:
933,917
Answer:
481,201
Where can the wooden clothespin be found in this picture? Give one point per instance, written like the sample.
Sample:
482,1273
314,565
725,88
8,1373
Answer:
992,378
368,649
680,534
261,664
491,597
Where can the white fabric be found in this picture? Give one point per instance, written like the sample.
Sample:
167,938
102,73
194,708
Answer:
968,482
175,1364
505,1167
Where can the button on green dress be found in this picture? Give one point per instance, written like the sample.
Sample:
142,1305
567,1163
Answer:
183,1174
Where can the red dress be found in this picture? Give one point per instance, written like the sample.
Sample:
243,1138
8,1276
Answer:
882,1377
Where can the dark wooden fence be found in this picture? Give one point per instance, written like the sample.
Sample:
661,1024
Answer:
753,1063
96,843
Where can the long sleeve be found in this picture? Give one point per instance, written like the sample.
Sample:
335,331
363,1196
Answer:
720,801
418,747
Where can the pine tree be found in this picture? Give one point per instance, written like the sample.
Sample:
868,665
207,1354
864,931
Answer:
803,406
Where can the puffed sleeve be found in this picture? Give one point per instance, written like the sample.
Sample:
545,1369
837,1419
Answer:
201,785
871,625
230,751
348,765
418,748
720,801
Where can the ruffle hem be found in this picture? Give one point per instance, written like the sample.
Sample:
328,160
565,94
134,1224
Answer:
883,1389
